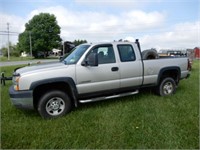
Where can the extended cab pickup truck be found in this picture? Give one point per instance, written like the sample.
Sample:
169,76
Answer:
93,72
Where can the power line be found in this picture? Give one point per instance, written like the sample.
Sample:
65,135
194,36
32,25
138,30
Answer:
9,32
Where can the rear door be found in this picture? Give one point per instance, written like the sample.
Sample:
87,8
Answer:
130,66
104,77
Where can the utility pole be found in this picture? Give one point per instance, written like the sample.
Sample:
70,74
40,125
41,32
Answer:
8,42
30,43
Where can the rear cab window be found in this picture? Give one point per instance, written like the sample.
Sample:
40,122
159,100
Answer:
126,52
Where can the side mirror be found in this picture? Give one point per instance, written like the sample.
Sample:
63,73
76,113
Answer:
61,58
91,60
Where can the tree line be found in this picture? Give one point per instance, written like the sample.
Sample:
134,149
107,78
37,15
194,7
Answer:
41,35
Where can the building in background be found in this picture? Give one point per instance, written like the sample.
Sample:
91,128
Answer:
190,54
197,52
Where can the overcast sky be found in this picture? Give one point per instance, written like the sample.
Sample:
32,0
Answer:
157,23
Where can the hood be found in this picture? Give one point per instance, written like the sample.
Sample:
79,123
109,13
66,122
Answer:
40,67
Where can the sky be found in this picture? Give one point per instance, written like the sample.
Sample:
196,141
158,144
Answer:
160,24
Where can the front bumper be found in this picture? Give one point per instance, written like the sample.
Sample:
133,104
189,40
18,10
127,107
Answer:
21,99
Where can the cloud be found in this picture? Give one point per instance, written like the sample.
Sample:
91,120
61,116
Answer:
107,3
98,26
181,36
16,25
129,4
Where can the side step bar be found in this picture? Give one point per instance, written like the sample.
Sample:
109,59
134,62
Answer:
108,97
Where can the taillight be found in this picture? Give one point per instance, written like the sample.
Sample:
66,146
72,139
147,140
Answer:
189,66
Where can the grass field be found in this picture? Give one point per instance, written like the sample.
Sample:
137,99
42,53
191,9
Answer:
142,121
12,58
5,59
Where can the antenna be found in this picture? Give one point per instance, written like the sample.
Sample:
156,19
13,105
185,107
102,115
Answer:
138,44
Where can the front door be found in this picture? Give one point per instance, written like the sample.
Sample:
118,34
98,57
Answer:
104,77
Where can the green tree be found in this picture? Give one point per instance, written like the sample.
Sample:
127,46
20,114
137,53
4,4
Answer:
78,42
13,50
44,33
4,51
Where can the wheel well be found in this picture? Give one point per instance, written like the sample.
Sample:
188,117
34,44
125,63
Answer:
41,89
173,73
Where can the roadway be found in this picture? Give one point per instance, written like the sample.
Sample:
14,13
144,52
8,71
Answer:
14,63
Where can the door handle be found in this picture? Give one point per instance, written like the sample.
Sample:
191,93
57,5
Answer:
114,68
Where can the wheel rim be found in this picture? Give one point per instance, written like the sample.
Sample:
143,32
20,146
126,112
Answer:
168,88
55,106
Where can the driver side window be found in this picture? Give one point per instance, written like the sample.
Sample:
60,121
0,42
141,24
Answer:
105,54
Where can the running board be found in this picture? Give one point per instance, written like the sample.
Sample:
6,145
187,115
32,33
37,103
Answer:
108,97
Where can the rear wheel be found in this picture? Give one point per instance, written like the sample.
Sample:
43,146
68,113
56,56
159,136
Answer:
54,104
166,87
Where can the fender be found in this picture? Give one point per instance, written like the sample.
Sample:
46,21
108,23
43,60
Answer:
169,69
69,81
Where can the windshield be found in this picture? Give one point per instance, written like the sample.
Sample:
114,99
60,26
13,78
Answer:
75,55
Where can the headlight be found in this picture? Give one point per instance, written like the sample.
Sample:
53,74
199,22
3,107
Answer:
16,78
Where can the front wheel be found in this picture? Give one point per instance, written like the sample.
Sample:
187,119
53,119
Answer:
54,104
166,87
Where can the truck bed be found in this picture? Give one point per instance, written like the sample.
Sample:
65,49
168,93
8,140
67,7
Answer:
152,68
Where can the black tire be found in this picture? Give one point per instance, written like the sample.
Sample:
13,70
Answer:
54,104
166,87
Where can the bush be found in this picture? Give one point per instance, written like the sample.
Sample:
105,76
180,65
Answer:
13,51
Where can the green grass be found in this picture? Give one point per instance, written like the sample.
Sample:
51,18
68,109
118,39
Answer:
5,59
142,121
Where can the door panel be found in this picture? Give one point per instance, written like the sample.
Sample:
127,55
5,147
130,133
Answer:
95,79
131,74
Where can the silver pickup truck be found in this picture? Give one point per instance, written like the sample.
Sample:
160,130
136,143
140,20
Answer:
93,72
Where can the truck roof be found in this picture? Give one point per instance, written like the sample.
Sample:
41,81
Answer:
114,43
